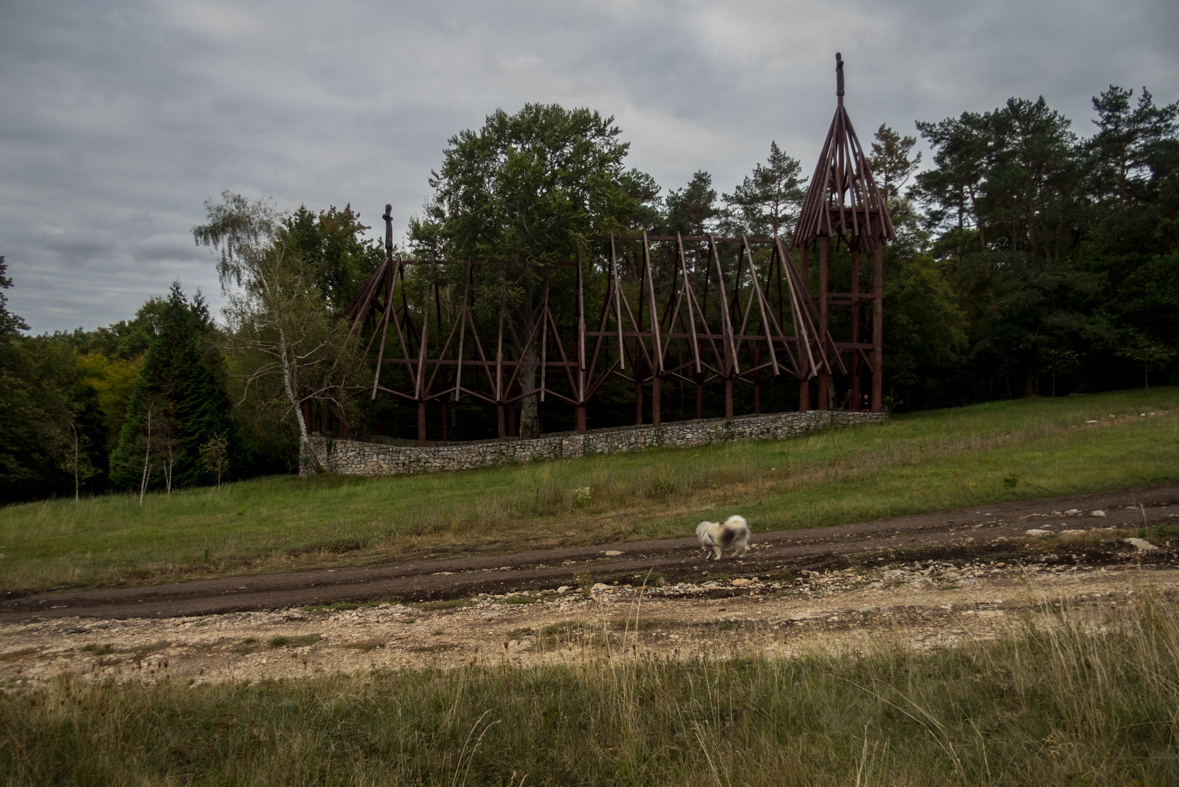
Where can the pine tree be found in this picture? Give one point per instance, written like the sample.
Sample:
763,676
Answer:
692,210
766,204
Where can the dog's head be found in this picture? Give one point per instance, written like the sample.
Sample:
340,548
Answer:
705,533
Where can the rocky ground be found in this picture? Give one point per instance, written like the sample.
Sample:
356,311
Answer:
926,582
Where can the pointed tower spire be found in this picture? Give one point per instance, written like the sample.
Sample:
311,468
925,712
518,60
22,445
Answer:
844,203
839,77
843,199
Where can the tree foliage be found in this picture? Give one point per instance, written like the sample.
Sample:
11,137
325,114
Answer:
331,244
1051,238
692,210
285,342
527,188
525,191
51,438
767,203
1033,257
181,388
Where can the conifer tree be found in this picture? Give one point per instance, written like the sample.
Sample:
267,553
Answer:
766,204
188,402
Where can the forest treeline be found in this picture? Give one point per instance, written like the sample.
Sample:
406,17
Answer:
1031,259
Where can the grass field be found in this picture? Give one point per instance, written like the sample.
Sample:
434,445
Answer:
1059,704
1062,703
916,462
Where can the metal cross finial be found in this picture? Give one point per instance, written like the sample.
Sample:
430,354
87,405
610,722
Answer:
388,217
839,76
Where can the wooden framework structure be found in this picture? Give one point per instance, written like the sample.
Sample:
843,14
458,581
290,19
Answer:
843,203
696,309
734,309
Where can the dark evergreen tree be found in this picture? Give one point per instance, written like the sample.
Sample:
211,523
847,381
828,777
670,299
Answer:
1061,248
692,210
1124,161
647,210
179,400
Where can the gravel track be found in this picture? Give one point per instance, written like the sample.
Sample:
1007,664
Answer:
923,582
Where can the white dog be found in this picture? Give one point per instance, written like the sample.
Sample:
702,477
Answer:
717,537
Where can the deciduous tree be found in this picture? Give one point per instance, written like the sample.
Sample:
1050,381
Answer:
524,191
332,244
287,345
38,410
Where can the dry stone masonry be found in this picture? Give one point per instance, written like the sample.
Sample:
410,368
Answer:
353,457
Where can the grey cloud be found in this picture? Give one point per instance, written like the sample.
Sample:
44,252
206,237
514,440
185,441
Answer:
123,118
168,248
78,249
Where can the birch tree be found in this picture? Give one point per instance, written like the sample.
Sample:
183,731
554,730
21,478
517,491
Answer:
285,341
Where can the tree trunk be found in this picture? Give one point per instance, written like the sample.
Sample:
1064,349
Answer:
529,424
306,455
146,459
77,482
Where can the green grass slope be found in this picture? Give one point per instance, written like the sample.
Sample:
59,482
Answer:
918,462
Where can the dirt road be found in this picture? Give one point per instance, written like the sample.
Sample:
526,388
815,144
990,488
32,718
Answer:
932,580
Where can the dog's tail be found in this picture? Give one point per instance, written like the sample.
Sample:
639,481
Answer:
737,523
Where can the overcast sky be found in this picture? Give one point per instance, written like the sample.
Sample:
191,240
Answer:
119,119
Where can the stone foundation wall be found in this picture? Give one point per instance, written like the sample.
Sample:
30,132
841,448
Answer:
352,457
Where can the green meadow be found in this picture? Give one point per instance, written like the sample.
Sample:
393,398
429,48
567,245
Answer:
1084,697
915,463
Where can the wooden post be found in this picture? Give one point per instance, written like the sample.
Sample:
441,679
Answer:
730,359
824,243
421,423
501,427
806,282
877,326
699,395
757,379
656,420
579,394
512,410
804,385
854,399
657,341
640,367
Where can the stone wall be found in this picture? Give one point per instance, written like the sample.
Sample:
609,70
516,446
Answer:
352,457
